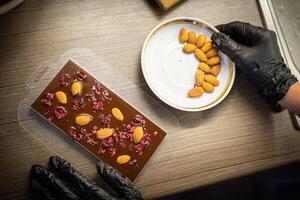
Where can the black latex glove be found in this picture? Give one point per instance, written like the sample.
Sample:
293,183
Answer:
255,51
62,181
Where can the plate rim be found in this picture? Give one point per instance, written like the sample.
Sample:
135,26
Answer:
143,66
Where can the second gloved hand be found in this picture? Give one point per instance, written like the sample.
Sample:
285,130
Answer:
62,181
255,51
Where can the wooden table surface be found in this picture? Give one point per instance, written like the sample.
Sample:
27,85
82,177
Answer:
238,137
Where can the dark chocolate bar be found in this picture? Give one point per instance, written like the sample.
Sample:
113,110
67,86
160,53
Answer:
99,120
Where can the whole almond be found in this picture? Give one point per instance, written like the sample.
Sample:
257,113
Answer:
138,134
207,46
207,87
199,77
200,40
214,60
183,35
104,133
200,55
61,97
212,80
191,37
211,53
76,88
204,67
123,159
83,119
117,114
195,92
215,70
189,48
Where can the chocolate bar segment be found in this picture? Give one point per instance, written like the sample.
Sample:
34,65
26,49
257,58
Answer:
99,120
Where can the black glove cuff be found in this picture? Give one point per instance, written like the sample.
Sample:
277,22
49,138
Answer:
278,79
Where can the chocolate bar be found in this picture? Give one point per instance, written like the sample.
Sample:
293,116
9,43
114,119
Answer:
99,120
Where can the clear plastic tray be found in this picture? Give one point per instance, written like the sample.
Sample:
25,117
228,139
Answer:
59,143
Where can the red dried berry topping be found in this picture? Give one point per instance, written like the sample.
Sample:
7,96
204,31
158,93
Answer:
91,96
48,99
72,132
60,112
77,103
91,141
64,80
79,76
104,96
97,92
94,130
97,105
112,151
85,133
105,120
97,88
82,134
107,146
138,121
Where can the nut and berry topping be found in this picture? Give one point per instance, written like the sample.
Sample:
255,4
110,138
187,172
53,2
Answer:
79,76
77,103
60,112
64,80
48,99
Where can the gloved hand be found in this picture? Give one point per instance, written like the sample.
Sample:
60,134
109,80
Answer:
255,51
62,181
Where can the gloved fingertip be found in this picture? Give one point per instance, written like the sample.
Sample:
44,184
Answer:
54,159
36,169
103,168
217,38
219,27
56,162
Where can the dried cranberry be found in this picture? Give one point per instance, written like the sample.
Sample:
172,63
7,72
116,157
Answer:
138,121
77,103
91,96
64,80
97,88
105,120
97,105
105,95
107,145
112,151
129,128
139,149
79,137
79,76
85,133
94,130
72,132
48,98
115,136
60,112
91,141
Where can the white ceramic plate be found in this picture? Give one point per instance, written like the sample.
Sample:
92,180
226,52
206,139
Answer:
170,73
